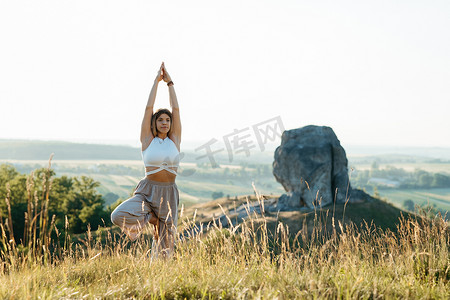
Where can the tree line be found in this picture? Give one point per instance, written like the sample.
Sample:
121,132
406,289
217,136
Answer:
71,203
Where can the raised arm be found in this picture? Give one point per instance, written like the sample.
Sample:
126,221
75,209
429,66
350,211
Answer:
176,122
146,132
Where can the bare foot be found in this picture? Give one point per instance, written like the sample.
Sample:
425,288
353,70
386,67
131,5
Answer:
153,219
133,234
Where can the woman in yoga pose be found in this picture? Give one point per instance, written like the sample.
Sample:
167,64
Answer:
156,198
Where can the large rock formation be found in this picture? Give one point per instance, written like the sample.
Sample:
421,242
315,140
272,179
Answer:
311,165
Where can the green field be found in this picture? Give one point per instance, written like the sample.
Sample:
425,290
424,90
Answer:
422,197
121,176
199,187
410,167
192,189
121,185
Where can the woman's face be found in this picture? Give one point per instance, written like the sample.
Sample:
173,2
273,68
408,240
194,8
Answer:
163,123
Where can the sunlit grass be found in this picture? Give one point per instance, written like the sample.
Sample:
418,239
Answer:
249,260
246,261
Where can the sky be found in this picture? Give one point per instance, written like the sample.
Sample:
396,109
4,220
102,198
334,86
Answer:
377,72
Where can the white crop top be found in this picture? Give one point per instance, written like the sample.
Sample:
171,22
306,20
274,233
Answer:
162,153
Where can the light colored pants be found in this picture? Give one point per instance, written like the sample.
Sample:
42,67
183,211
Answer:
151,197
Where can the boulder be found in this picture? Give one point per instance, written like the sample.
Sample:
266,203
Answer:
311,165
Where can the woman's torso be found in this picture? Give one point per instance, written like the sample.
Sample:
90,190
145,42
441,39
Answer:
161,153
161,176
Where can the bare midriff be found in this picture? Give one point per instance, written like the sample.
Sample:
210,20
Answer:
161,176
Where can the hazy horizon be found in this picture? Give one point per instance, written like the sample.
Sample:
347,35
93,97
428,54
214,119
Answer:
196,143
351,149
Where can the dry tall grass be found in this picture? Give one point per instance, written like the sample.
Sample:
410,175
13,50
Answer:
243,261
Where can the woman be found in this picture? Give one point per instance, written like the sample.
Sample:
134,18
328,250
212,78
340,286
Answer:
156,197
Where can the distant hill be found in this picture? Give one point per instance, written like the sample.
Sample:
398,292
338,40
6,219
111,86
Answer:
380,213
41,150
400,151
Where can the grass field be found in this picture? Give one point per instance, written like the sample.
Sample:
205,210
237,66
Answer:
258,259
352,251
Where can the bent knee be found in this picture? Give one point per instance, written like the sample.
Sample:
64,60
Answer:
117,217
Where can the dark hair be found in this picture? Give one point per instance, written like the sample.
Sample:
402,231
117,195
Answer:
155,116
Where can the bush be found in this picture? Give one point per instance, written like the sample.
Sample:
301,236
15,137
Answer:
217,195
